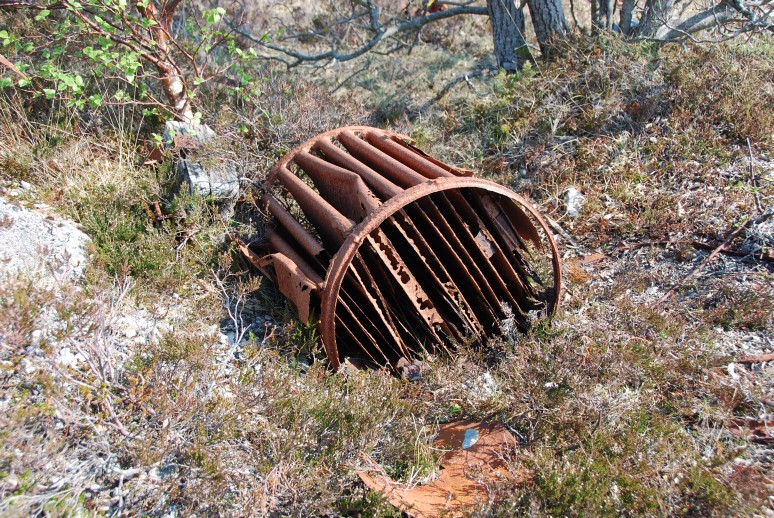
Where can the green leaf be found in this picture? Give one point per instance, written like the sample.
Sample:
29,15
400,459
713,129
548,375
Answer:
42,15
213,16
50,93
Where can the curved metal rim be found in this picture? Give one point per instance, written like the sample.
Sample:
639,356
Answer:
341,261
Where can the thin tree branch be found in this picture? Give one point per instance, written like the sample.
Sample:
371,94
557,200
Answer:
448,86
718,15
380,32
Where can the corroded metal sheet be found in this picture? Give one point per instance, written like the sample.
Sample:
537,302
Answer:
476,461
395,253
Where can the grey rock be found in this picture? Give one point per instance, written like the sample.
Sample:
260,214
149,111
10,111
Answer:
221,180
413,371
574,201
759,237
482,387
67,358
37,245
160,473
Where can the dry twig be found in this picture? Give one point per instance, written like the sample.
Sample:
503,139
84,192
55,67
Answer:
753,180
712,255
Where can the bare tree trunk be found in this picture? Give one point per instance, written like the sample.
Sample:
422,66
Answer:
596,15
602,14
175,89
625,22
508,34
548,20
609,12
657,13
172,82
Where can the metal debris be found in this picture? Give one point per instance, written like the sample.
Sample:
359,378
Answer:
753,430
468,475
395,253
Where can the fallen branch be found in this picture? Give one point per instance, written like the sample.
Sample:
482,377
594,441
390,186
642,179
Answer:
756,359
451,84
712,255
562,232
752,18
761,256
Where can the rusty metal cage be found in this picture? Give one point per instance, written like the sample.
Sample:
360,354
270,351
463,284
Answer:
395,253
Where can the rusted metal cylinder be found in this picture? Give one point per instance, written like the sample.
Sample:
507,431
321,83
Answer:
396,254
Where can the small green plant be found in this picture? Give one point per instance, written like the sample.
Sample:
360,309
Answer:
125,53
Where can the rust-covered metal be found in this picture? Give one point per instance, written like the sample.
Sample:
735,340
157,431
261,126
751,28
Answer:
395,253
478,460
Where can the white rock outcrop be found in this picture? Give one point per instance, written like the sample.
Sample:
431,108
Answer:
39,246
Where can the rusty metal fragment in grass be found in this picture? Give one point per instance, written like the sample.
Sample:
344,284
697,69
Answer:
476,463
753,430
395,254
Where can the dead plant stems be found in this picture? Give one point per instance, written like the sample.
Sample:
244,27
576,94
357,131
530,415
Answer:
753,180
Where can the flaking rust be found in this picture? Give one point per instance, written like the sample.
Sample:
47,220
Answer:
477,460
395,254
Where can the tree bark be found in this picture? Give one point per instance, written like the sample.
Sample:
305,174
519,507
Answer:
627,10
602,15
657,13
713,17
508,34
609,12
549,22
172,82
